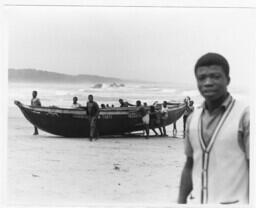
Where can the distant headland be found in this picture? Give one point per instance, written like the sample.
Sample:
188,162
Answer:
34,75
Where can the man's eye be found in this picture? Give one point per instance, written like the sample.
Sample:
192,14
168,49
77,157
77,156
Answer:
201,78
215,76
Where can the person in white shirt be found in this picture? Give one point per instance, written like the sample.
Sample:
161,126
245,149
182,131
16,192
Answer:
164,112
75,103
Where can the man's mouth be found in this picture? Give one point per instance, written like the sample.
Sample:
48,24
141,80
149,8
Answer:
209,92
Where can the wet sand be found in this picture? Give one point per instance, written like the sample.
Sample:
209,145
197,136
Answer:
51,170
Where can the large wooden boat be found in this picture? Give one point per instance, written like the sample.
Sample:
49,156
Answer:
74,122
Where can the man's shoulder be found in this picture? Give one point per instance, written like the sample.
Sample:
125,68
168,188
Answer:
95,103
242,102
243,109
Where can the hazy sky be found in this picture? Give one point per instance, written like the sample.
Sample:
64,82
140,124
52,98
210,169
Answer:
160,44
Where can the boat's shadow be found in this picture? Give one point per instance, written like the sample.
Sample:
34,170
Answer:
125,136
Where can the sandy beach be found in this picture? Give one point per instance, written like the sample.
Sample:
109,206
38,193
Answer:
51,170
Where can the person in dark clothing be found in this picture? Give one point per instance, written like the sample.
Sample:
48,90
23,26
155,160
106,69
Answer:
174,130
35,102
93,111
154,120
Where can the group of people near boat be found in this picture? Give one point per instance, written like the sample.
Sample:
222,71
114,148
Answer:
151,118
216,170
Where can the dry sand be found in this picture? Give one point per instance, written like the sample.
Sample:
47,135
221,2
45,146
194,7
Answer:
51,170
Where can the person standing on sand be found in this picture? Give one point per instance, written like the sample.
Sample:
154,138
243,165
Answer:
154,121
145,116
174,130
93,111
35,102
217,141
164,112
189,108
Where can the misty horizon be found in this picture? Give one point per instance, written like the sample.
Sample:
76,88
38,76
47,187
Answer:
152,44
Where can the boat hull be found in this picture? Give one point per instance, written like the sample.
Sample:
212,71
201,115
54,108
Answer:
75,123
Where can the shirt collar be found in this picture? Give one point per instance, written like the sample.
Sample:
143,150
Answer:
224,104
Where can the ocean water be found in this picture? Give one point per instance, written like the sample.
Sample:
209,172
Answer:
61,94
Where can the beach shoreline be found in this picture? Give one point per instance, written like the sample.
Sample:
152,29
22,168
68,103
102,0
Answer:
51,170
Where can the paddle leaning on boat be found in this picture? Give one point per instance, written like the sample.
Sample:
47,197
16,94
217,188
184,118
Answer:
77,122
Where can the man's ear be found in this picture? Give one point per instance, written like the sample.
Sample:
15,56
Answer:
228,78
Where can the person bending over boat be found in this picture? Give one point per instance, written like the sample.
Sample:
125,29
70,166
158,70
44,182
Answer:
124,103
154,120
75,103
93,111
35,102
145,116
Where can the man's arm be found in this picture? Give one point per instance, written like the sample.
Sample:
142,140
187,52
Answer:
244,133
39,102
186,181
129,104
97,109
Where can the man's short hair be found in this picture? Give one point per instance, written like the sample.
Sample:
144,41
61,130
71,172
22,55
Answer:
210,59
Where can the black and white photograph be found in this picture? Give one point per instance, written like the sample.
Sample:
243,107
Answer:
128,104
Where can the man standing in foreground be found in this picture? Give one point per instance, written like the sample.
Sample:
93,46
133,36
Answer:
35,102
217,141
93,111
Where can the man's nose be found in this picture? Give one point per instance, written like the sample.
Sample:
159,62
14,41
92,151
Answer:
208,81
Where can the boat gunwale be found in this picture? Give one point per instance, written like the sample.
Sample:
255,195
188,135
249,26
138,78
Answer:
82,111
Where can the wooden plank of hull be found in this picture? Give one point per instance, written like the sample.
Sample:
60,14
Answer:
74,122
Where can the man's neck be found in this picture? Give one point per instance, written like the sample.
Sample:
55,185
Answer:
214,104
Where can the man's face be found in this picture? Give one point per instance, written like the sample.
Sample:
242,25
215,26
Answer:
90,98
211,82
34,94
